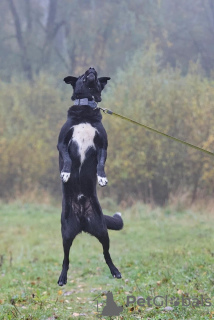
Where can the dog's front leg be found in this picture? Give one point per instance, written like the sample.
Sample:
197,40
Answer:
65,163
101,159
101,142
65,160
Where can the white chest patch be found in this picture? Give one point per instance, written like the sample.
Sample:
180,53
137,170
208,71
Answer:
84,135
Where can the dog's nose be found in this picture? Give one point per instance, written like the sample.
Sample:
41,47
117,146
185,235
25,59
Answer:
91,68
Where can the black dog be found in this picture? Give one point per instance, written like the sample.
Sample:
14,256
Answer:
82,149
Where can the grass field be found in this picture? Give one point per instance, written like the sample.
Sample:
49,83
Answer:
159,252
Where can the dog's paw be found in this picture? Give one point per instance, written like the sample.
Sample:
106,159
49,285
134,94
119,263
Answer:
102,181
65,176
116,274
62,280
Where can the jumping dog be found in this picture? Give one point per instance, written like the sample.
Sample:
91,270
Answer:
82,146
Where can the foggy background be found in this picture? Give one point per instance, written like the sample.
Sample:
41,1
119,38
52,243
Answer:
160,57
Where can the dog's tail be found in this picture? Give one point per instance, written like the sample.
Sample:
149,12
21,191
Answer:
115,222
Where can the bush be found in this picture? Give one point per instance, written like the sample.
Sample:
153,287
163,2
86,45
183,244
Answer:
141,165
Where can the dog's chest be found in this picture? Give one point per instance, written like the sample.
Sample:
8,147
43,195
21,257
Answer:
83,136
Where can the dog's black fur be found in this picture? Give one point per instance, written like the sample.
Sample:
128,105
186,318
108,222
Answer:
82,146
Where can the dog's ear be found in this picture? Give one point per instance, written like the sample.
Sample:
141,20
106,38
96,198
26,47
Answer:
70,80
103,81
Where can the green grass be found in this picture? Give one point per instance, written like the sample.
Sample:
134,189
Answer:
159,252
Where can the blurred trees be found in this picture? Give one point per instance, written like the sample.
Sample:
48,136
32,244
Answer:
141,164
187,33
147,166
161,57
30,121
69,36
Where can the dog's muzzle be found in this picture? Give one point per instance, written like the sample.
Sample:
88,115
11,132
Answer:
91,77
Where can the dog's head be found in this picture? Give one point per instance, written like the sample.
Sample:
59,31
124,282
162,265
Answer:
87,85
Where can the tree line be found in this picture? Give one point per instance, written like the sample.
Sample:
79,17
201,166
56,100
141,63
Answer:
140,165
160,57
69,36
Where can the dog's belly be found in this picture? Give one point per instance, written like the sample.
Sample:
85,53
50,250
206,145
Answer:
83,137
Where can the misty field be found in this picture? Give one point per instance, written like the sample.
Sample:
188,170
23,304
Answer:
159,252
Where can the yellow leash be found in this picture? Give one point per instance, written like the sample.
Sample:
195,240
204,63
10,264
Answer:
156,131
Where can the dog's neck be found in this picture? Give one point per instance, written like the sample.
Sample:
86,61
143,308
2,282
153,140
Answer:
85,102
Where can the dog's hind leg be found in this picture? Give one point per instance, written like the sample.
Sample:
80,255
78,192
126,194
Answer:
65,266
104,240
70,229
96,225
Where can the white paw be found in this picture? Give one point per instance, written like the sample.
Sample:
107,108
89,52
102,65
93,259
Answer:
65,176
102,181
